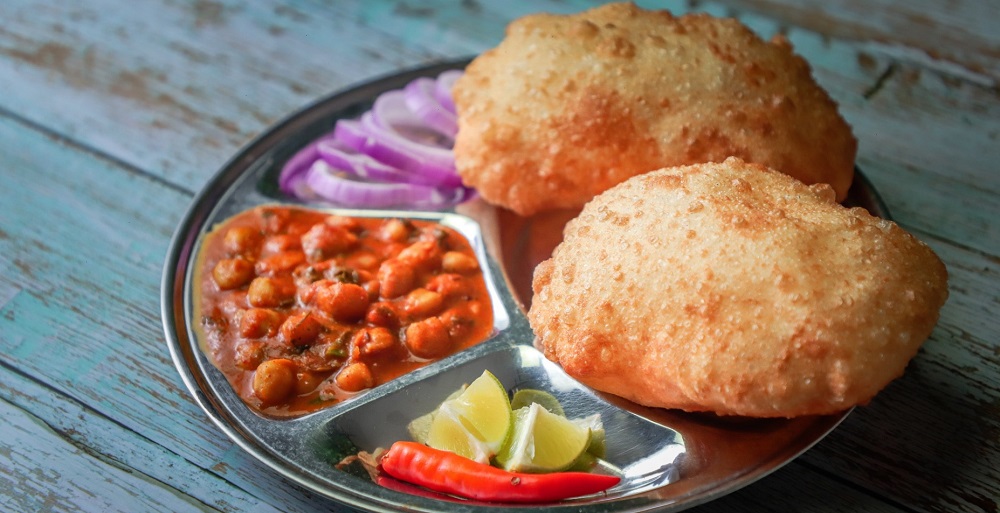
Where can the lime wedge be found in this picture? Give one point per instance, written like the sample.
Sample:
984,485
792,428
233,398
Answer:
526,396
474,424
543,441
421,426
593,422
449,431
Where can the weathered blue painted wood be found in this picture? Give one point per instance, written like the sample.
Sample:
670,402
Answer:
111,118
62,476
60,468
904,117
955,37
88,239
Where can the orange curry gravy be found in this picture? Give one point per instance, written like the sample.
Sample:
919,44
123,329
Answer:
301,309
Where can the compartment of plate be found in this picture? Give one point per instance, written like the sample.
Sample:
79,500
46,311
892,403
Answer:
503,305
645,454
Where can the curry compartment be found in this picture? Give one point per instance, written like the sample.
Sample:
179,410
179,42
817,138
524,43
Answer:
302,309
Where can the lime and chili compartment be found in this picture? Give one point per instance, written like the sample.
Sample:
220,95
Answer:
301,309
644,453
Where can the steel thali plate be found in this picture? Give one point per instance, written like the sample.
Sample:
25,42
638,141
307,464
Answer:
669,460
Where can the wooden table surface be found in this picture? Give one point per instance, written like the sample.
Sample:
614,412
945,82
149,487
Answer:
113,115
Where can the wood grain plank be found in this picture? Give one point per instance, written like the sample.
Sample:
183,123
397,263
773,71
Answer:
928,142
42,471
88,239
176,87
800,488
172,87
957,37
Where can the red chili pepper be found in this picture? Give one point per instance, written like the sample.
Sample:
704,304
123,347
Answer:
448,472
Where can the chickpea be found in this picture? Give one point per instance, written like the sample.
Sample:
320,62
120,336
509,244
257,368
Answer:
259,322
280,243
382,314
274,380
422,303
324,241
363,260
424,255
394,230
345,302
458,262
373,341
307,294
305,382
348,223
232,273
459,324
363,276
391,249
373,289
395,278
448,285
241,240
300,329
268,292
355,377
428,338
282,263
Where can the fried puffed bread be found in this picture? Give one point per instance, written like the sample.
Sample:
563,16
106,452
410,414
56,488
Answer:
735,289
568,106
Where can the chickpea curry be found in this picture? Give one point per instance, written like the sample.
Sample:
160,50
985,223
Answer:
301,309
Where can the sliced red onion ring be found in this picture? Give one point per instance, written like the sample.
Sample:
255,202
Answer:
422,102
443,86
391,113
334,186
342,158
365,136
397,154
292,176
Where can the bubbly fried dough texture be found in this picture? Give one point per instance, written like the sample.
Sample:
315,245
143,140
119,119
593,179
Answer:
734,289
567,106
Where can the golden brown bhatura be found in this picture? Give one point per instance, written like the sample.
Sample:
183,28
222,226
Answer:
567,106
734,289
